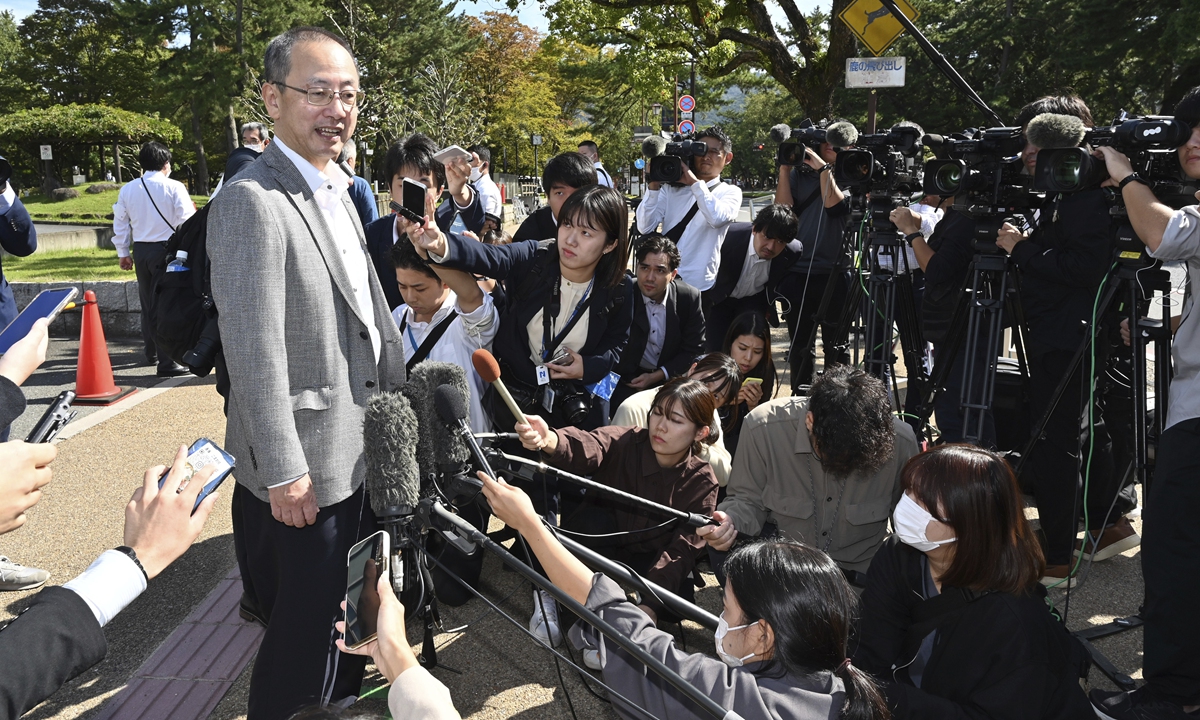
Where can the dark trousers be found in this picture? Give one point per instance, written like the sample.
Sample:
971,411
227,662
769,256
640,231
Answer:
720,316
1171,566
1057,472
297,576
145,256
803,294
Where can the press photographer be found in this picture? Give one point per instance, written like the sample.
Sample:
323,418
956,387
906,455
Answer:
1171,543
699,191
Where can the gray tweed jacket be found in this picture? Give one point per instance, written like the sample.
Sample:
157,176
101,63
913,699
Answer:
301,365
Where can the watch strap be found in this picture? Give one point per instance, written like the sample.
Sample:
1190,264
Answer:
1132,177
132,555
913,236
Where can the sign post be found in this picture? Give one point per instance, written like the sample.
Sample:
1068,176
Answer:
874,73
536,141
687,109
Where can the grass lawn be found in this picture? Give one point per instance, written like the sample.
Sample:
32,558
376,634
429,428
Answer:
85,209
55,265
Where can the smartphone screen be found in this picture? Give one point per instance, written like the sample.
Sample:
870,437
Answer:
414,197
48,304
201,454
364,564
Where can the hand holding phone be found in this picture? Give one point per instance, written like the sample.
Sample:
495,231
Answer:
366,564
202,454
561,357
452,153
48,304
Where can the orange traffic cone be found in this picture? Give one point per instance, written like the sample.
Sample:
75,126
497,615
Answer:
94,376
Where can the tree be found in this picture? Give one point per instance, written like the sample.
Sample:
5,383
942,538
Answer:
14,93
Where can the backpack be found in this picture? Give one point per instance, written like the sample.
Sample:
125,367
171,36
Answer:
186,312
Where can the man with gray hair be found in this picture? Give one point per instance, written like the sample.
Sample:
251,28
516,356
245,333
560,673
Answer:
255,139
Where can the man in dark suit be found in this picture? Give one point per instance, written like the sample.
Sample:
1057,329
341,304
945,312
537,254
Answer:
412,158
667,334
564,174
308,340
255,139
17,237
754,258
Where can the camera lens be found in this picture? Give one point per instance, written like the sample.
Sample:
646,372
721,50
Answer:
1065,170
948,178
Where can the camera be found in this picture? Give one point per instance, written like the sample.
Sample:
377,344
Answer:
201,358
5,171
572,401
1148,141
887,163
793,141
667,166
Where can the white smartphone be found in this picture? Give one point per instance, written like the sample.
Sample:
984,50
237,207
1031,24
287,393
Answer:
454,152
365,563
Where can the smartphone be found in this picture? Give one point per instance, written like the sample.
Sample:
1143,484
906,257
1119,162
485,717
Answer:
201,454
365,563
54,420
449,154
749,381
561,357
48,304
412,204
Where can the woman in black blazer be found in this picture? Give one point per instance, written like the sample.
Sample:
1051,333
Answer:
569,298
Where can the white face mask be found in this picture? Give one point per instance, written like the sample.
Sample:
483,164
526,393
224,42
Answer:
722,630
476,173
910,522
256,148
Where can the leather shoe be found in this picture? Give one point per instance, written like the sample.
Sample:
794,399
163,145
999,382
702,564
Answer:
151,359
170,368
248,611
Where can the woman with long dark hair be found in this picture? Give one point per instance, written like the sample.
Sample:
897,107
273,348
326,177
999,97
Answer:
955,621
783,637
748,342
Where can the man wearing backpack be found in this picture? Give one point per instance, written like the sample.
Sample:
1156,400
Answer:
146,213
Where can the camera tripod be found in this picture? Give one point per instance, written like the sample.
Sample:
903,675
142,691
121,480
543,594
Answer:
1134,284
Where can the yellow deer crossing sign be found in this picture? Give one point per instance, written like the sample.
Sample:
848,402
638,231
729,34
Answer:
874,24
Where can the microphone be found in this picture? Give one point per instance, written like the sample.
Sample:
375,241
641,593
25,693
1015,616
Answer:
1050,130
439,449
345,166
393,479
841,134
488,369
653,146
780,133
452,409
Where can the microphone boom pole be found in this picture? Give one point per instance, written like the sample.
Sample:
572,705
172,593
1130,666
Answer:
675,679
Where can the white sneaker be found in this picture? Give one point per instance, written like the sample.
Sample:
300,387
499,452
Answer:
545,625
14,576
591,658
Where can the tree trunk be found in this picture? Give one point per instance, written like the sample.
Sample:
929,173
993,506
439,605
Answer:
201,181
117,161
231,131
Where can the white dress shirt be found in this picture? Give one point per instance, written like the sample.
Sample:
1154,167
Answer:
7,198
489,194
602,176
327,190
656,313
466,334
135,217
109,584
754,273
700,244
929,220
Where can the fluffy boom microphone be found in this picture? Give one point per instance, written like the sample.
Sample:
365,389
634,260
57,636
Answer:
780,133
1050,130
439,448
654,146
389,449
841,134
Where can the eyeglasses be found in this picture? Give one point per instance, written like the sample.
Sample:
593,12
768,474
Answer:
320,97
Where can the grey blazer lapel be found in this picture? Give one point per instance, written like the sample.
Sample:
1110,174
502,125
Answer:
301,196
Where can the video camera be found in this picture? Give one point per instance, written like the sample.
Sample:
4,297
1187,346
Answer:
887,167
793,141
667,158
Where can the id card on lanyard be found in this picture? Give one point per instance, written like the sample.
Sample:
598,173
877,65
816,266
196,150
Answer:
549,314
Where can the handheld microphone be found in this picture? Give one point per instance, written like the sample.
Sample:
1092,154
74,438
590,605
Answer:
452,409
1050,130
841,135
653,146
780,133
393,479
488,369
345,166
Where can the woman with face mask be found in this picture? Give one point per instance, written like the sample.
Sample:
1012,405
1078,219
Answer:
782,639
955,621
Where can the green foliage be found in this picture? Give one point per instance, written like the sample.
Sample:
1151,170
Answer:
90,209
85,124
66,265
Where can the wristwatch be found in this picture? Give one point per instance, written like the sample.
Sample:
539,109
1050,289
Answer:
826,166
1132,177
129,552
913,236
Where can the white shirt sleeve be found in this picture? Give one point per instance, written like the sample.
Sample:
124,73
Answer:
651,211
121,226
184,206
719,208
109,584
7,198
482,323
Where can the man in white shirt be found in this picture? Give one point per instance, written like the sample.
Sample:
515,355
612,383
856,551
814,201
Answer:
700,232
590,150
481,178
147,212
435,295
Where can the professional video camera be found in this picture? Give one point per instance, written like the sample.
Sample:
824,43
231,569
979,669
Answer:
667,158
888,167
983,170
793,141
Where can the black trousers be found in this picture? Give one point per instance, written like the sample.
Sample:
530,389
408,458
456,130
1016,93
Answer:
1171,566
298,578
145,256
1057,473
720,316
803,294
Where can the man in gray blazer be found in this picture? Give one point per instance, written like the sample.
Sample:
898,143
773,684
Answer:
308,339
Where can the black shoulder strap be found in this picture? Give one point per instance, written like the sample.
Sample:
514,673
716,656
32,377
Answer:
677,232
430,340
164,218
951,599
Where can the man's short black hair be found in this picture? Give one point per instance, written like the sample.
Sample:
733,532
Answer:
1064,104
852,421
277,61
405,257
416,150
485,155
571,169
590,145
153,156
653,244
1188,108
716,133
777,222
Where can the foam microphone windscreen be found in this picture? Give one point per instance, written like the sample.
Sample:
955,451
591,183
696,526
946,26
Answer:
451,405
780,132
1050,130
437,444
486,365
654,146
389,452
841,134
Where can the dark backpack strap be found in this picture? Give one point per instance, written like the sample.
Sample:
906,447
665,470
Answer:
164,217
430,340
677,232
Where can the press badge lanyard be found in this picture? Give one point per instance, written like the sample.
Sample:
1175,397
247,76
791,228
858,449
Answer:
553,308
